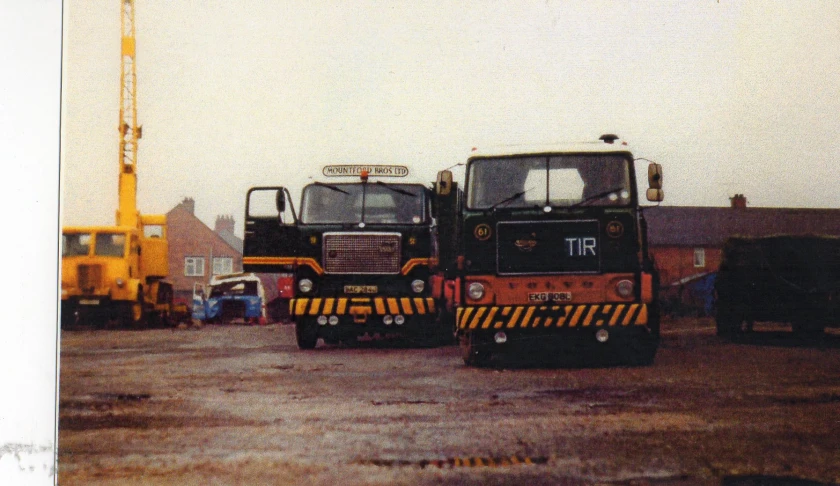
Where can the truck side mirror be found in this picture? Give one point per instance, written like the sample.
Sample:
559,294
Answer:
655,192
443,185
281,201
655,176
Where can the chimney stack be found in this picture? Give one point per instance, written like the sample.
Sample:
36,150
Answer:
189,204
224,223
738,201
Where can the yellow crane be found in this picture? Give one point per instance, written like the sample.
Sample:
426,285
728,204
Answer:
115,275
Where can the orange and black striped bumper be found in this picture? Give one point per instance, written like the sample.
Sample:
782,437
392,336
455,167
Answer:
356,306
551,316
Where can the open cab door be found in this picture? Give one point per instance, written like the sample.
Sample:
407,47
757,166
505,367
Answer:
271,230
199,298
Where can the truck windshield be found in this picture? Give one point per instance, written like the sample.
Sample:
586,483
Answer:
110,244
549,180
75,244
383,203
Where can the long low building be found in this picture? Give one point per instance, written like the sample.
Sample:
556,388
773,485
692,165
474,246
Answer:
687,241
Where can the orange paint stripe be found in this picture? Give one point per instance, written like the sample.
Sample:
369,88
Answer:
577,315
380,305
642,318
342,306
527,318
480,312
514,317
616,314
588,320
421,308
300,307
629,317
462,321
490,317
393,308
406,306
328,305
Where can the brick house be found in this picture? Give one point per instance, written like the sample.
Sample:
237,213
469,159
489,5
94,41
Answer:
687,241
197,252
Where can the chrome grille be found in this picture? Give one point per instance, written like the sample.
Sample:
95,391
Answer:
90,277
366,253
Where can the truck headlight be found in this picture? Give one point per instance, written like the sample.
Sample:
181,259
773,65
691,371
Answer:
417,286
624,288
475,291
305,285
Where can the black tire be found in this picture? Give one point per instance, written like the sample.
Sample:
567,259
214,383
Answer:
67,317
724,322
306,332
475,352
641,349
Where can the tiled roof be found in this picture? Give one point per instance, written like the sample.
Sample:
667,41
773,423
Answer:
711,226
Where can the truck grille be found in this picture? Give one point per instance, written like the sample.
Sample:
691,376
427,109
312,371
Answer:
365,253
548,247
89,277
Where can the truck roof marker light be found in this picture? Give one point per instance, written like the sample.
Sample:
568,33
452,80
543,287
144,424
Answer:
364,176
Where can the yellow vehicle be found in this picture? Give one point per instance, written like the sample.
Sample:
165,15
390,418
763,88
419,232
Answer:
115,274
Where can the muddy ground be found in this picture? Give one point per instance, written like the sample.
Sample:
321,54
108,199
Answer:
242,405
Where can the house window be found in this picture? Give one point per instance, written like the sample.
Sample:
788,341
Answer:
222,265
194,266
699,258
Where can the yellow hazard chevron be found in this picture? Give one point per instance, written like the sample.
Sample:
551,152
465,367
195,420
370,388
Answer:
313,306
453,462
550,316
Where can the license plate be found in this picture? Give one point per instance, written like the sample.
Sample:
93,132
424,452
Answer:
89,301
549,297
360,289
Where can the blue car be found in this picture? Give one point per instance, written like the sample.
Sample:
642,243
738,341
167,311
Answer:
229,299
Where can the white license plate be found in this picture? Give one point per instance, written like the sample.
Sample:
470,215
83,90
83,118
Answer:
549,297
360,289
89,301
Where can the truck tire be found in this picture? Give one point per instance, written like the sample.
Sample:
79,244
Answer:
475,352
68,316
306,332
641,350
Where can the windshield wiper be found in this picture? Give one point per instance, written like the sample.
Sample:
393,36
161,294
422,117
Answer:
595,197
509,199
395,189
329,186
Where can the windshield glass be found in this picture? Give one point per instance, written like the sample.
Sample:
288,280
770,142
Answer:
383,203
553,180
110,244
75,244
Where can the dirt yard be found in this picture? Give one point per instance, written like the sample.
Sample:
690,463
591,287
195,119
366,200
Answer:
242,405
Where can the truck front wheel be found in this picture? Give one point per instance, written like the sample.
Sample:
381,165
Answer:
474,351
306,332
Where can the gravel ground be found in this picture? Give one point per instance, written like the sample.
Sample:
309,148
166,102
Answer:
242,405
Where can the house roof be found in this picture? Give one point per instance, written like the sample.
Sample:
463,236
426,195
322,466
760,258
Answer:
195,228
231,239
711,226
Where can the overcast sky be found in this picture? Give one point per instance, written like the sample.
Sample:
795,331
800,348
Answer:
730,97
